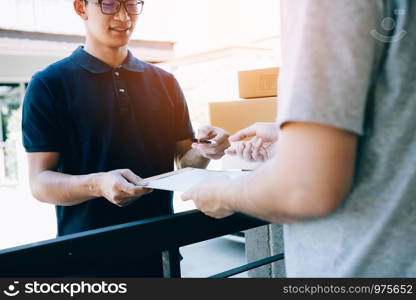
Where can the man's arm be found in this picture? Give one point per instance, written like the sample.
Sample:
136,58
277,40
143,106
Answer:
195,155
119,186
308,177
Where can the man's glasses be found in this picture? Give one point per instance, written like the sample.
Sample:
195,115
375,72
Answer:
112,7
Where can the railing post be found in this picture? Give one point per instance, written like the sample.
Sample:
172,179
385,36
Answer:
171,263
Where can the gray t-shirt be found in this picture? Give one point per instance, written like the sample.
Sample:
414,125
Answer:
351,64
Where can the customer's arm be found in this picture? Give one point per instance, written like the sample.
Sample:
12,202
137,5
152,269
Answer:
119,186
308,177
330,64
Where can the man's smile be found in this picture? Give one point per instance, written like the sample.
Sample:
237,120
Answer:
120,29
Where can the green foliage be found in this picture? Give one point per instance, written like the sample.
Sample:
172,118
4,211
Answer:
11,119
13,134
9,102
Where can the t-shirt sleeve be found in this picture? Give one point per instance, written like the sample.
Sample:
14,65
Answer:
40,124
183,125
329,61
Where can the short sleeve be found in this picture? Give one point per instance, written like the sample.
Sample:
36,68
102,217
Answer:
329,61
183,125
41,132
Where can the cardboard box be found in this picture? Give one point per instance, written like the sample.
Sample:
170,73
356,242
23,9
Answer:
236,115
258,83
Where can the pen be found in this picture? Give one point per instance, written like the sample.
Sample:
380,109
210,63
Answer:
202,141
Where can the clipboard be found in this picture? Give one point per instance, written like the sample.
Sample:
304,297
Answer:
183,179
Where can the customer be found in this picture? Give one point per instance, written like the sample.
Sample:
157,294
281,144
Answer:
343,177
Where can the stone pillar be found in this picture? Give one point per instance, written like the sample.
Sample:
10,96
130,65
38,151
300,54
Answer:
276,247
263,242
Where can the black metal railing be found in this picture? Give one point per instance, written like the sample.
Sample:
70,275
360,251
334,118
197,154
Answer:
83,253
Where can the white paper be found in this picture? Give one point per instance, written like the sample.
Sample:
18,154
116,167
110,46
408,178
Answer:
184,179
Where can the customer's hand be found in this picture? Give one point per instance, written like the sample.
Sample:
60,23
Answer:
265,130
218,137
208,196
255,150
260,148
121,187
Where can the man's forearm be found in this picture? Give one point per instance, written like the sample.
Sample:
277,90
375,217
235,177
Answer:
193,159
263,195
309,177
62,189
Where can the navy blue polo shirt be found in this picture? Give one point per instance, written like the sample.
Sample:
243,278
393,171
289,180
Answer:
100,118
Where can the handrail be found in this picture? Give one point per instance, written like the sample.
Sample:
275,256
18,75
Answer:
82,253
250,266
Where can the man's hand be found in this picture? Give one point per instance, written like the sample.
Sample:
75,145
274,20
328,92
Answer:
260,148
255,150
219,139
121,187
206,199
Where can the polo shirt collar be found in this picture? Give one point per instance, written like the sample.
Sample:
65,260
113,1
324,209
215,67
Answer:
94,65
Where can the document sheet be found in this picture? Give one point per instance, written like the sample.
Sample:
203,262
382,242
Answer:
183,179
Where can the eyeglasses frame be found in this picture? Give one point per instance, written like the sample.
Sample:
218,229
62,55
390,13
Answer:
121,3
